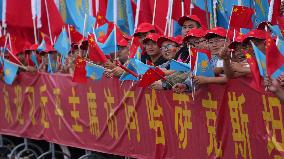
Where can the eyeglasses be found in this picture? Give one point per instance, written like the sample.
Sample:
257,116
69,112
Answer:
211,41
165,48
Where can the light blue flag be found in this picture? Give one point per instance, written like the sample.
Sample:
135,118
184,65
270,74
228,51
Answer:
203,66
124,13
42,46
63,45
136,66
109,45
276,31
52,64
10,72
261,11
138,54
34,59
1,8
201,5
280,45
101,31
94,72
177,29
73,13
261,60
278,72
179,66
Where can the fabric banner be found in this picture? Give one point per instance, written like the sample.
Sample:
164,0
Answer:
227,121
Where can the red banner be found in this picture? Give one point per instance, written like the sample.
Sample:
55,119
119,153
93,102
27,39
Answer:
228,121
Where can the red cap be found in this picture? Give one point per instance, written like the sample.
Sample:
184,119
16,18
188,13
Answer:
217,31
34,47
152,36
179,39
195,32
122,42
127,37
258,34
164,38
143,28
182,19
49,48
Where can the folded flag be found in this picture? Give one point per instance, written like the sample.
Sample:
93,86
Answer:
179,66
203,66
10,72
94,72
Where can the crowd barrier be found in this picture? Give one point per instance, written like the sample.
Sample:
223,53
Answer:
227,121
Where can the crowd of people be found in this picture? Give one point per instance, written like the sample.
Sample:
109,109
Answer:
228,50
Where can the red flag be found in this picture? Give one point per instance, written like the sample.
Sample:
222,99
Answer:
241,17
134,47
55,19
256,83
76,37
119,34
276,11
101,13
95,53
80,71
177,8
18,13
152,75
274,59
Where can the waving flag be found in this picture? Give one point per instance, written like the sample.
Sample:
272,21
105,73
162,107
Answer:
274,59
94,72
203,66
109,45
241,17
95,53
80,71
10,72
42,46
276,31
101,31
137,67
152,75
256,83
261,60
179,66
280,45
62,45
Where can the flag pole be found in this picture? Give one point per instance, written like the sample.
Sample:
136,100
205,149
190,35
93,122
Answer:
48,23
115,24
34,25
270,12
182,7
154,12
84,29
207,16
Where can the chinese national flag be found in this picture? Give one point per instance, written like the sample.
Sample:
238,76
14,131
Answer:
152,75
80,71
241,17
256,82
95,53
274,59
76,37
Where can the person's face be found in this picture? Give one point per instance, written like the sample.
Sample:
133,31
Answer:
152,48
198,43
123,54
187,25
169,49
215,44
142,36
237,54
